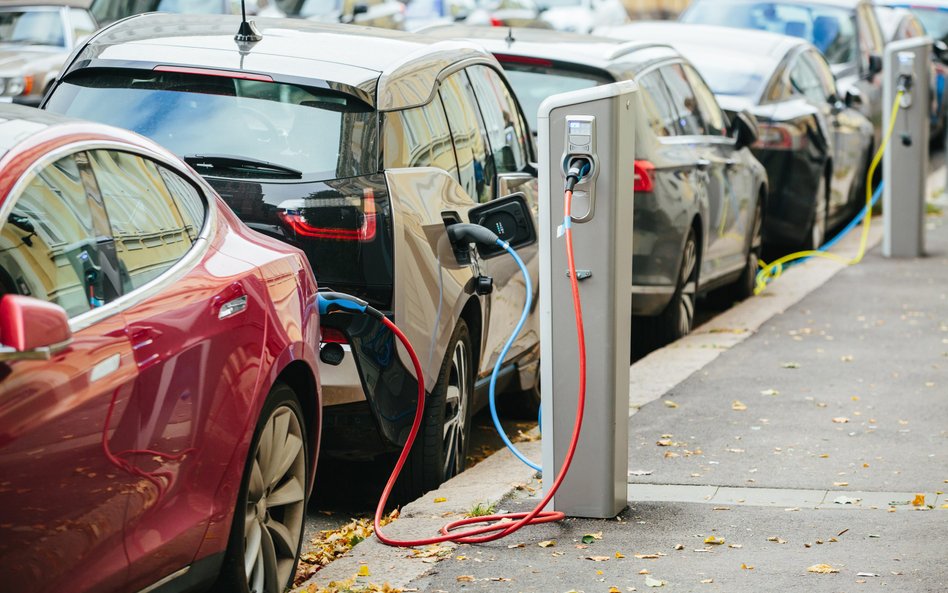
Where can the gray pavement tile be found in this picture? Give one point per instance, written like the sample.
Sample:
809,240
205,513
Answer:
671,492
775,497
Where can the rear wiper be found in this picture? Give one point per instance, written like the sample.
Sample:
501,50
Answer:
205,162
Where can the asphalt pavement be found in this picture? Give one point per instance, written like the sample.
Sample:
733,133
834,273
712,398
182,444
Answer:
801,446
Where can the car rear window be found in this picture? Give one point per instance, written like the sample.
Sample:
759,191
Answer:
533,84
320,133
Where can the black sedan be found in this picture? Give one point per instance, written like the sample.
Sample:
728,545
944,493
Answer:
815,144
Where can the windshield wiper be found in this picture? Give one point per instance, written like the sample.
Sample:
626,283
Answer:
207,162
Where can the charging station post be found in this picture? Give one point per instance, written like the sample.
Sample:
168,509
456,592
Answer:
597,124
906,66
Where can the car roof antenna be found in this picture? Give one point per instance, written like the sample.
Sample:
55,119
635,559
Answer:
510,38
247,33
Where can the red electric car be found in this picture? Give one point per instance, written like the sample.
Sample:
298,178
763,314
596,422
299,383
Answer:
159,392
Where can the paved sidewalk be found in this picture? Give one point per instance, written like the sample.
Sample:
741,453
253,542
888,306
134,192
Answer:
804,439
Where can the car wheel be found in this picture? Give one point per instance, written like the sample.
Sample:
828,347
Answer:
267,531
522,404
744,287
816,233
440,451
676,320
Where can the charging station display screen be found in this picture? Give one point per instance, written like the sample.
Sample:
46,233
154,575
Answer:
584,128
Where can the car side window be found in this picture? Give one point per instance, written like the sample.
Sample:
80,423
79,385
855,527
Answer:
823,72
49,246
149,232
419,137
505,128
804,81
475,168
683,97
661,115
707,105
870,36
190,205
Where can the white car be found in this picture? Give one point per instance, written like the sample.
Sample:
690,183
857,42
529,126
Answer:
582,16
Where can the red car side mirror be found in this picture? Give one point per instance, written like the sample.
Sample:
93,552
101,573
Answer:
31,329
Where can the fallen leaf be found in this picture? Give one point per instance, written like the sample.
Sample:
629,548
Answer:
364,571
549,543
615,590
791,365
824,455
520,545
840,484
620,555
713,540
736,546
591,537
919,500
776,539
671,454
647,556
738,406
644,571
721,509
866,574
465,578
846,500
822,569
650,582
746,567
441,499
707,581
679,547
842,532
640,472
664,443
770,392
597,558
670,404
841,420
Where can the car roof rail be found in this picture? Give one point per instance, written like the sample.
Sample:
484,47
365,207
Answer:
633,46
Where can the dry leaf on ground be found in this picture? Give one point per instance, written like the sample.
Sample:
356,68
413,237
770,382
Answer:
711,539
822,569
549,543
738,405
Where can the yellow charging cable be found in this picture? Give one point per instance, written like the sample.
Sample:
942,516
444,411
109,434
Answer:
774,269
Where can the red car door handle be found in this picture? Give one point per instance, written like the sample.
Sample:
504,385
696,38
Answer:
230,301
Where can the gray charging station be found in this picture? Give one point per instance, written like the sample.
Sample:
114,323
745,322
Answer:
598,123
905,164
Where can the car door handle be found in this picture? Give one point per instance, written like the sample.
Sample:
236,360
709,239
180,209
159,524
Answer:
703,164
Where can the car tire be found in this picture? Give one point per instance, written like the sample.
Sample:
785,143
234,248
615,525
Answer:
677,319
267,532
747,282
440,450
816,230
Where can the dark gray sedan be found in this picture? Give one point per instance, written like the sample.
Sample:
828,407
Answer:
699,190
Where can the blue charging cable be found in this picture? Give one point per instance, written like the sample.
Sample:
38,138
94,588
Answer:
527,304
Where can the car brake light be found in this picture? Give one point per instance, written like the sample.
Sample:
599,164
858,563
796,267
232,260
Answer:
306,221
644,179
780,137
331,335
527,60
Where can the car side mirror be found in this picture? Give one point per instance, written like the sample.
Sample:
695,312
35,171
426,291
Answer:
510,219
31,329
745,129
853,97
359,9
875,65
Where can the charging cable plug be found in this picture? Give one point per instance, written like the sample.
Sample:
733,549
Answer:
335,302
579,167
471,233
905,83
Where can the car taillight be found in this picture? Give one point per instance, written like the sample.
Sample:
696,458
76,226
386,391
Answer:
780,137
344,218
644,179
496,22
331,335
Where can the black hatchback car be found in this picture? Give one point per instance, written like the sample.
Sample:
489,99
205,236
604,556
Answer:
359,146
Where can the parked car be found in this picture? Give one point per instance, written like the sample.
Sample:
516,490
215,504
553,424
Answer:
847,32
899,24
159,399
699,191
387,14
109,11
495,13
582,16
815,144
35,40
359,152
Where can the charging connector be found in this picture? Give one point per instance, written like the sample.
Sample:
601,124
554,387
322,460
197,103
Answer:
577,168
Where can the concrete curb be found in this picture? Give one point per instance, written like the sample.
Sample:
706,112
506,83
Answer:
502,474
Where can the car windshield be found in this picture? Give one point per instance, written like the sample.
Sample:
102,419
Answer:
318,133
935,20
32,27
534,84
830,29
728,73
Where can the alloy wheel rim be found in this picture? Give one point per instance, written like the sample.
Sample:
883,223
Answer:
455,411
273,520
689,289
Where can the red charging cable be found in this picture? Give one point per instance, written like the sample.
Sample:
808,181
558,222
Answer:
514,521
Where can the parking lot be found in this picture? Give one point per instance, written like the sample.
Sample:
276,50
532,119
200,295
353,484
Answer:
256,253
